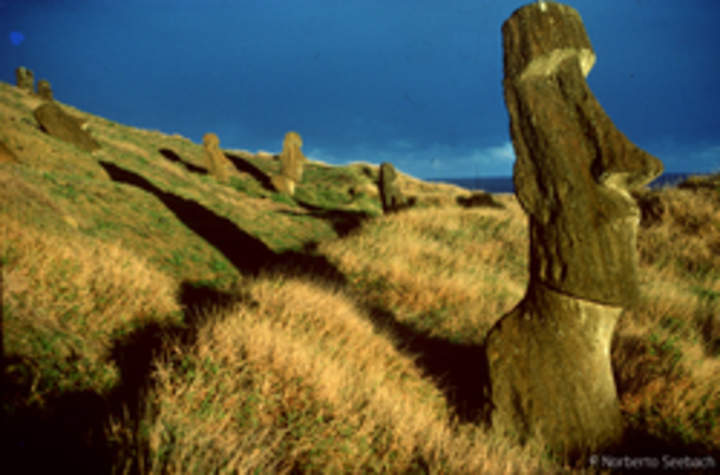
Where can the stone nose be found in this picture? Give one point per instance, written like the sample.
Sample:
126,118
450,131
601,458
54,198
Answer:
628,168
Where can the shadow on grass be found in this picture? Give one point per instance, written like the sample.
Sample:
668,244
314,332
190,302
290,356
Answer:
248,254
68,428
245,166
459,369
175,158
343,221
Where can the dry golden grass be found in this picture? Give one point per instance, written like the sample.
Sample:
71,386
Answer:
450,270
301,380
197,372
70,297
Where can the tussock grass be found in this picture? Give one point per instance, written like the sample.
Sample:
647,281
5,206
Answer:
135,342
300,380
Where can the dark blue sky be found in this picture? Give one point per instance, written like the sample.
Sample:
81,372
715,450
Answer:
414,82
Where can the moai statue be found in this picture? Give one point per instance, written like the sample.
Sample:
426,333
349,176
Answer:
25,79
283,184
44,90
390,196
292,162
64,126
291,157
549,358
216,160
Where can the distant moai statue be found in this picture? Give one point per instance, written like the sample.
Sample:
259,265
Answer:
25,79
216,160
292,162
549,363
390,197
44,90
291,157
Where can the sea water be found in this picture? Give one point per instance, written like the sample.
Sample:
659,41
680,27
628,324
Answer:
504,184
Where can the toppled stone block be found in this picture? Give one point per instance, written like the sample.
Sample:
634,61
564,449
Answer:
549,359
64,126
478,199
25,79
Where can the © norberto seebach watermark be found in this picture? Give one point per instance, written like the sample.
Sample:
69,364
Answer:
663,462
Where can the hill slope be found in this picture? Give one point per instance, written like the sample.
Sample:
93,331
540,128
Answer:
155,320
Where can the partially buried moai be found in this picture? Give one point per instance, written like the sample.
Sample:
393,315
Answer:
25,79
549,358
44,90
390,196
215,159
292,163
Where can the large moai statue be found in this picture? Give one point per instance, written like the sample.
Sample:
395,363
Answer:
25,79
292,162
216,160
549,358
390,196
64,126
44,90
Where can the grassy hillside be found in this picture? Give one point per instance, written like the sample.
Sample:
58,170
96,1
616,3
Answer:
157,321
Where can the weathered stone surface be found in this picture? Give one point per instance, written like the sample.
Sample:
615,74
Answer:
25,79
217,163
64,127
44,90
292,158
390,196
283,184
478,199
573,167
549,359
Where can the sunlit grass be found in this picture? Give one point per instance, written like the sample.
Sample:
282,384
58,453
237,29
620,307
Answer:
109,296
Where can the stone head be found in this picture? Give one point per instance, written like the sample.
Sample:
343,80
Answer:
292,140
211,140
574,168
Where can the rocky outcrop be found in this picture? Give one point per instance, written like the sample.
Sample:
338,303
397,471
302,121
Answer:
478,199
25,79
64,126
390,197
549,358
44,90
217,163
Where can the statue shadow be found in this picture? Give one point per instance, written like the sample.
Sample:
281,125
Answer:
248,254
245,166
175,158
459,369
342,221
69,428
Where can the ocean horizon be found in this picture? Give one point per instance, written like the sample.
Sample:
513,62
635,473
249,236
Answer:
504,184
